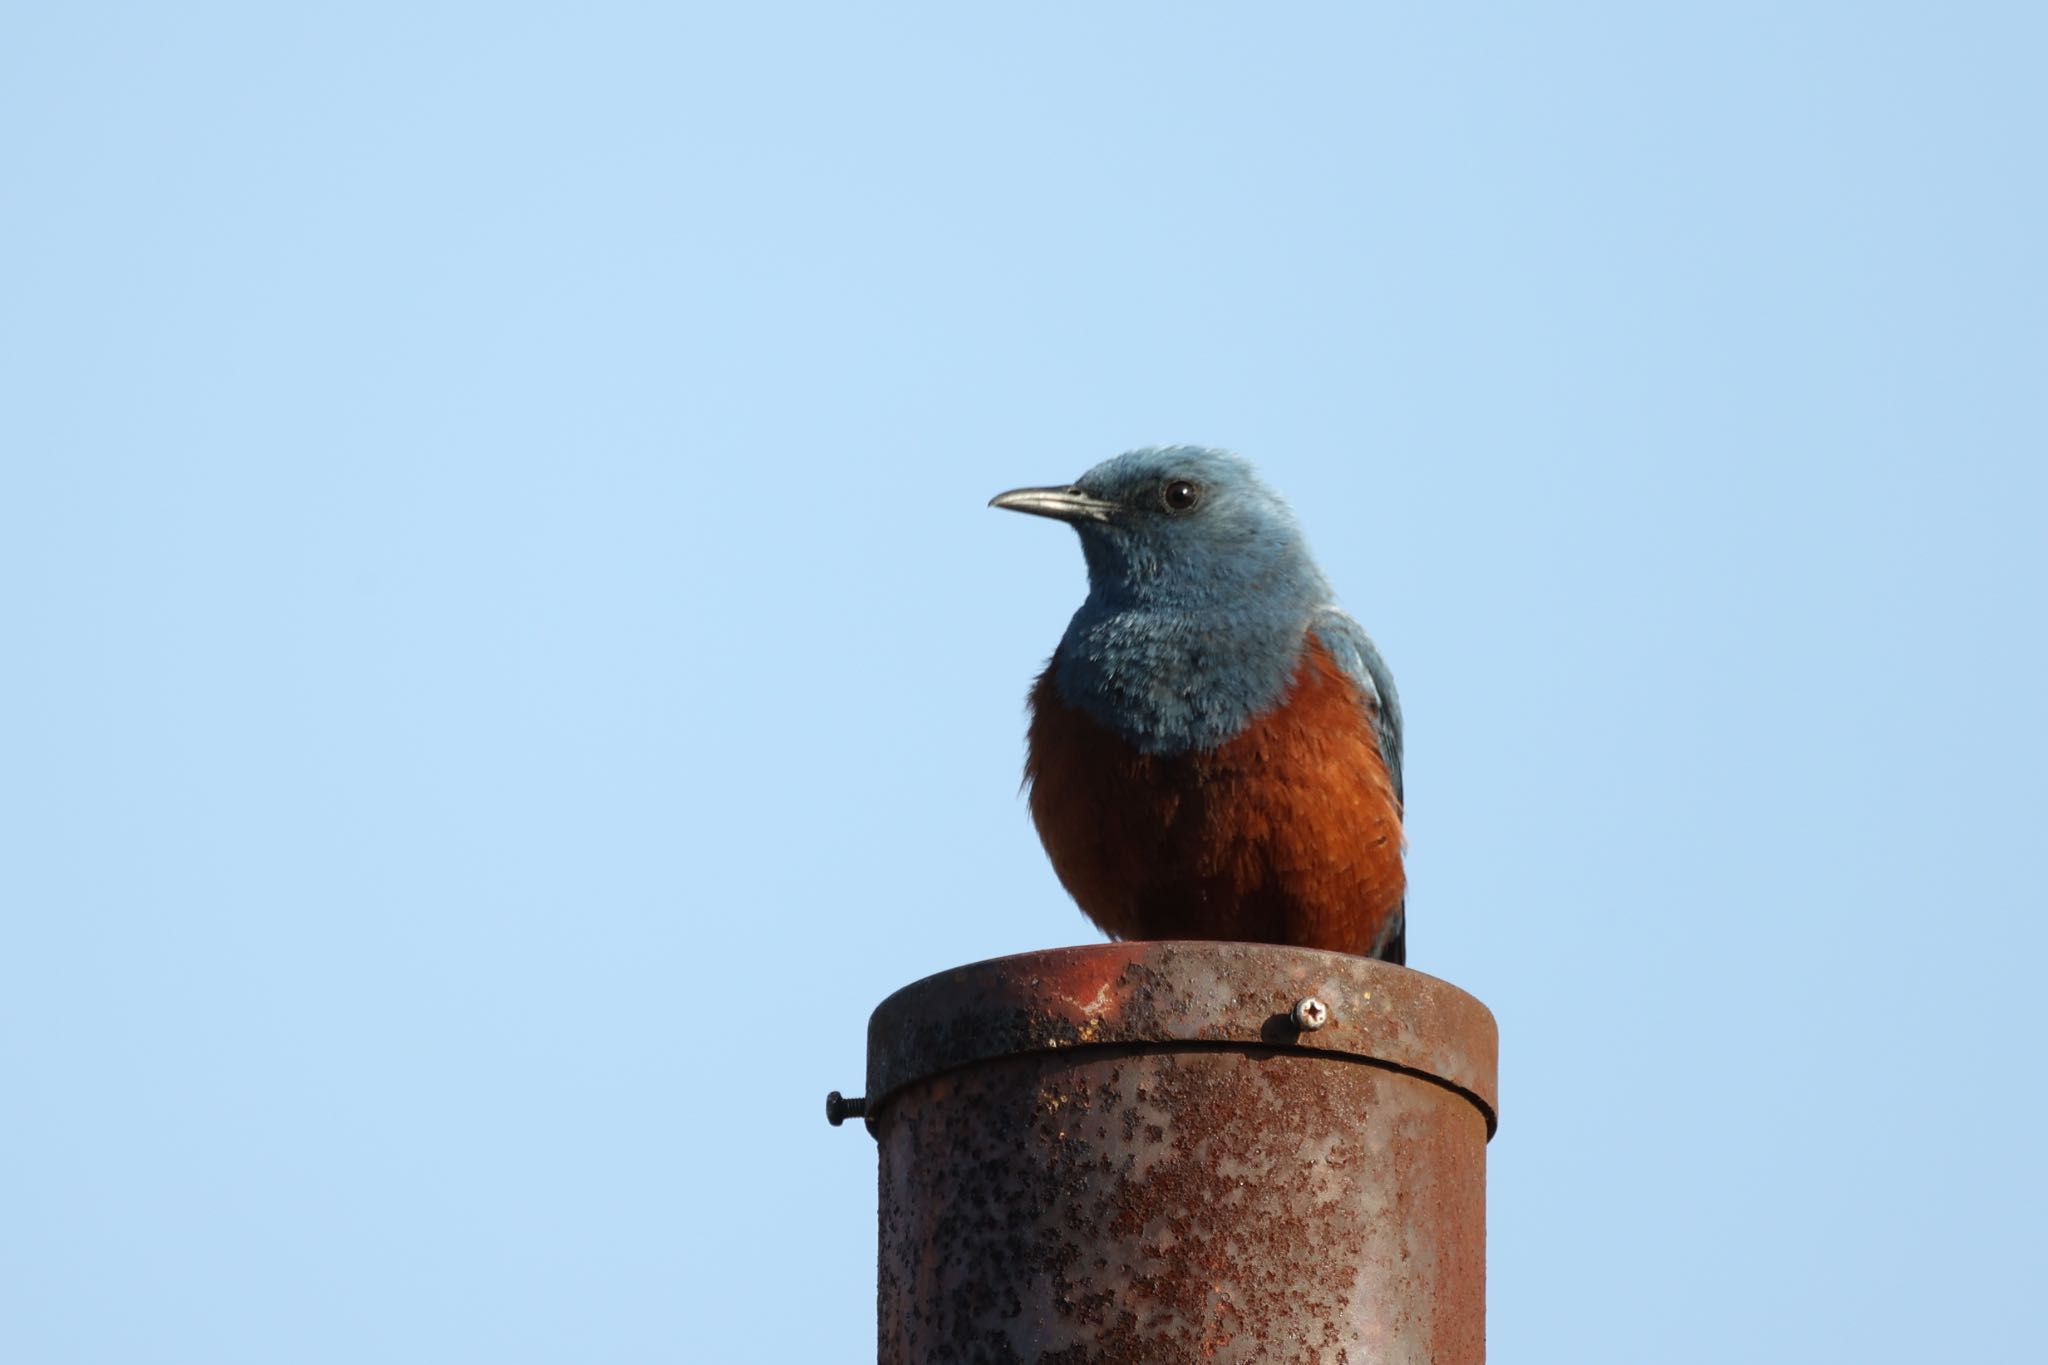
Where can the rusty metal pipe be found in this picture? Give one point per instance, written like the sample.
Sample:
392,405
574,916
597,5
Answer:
1156,1152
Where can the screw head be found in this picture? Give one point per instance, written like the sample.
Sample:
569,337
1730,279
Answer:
1310,1014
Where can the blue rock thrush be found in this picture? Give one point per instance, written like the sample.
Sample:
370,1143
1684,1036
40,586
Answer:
1215,748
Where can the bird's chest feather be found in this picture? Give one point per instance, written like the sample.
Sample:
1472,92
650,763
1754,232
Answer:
1290,821
1174,682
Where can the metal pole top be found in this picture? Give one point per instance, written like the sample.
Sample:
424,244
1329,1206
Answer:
1173,994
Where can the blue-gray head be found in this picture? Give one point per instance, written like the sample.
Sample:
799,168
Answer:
1200,594
1181,526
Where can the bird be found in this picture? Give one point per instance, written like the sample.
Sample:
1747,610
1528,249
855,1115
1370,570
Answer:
1214,748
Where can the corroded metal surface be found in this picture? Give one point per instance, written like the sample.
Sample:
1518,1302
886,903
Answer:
1132,1152
1182,992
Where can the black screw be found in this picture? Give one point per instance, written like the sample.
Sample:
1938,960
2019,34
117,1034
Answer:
838,1108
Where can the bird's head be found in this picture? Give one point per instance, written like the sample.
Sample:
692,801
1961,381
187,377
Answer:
1179,526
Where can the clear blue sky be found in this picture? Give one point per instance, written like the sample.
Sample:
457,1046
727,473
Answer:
507,661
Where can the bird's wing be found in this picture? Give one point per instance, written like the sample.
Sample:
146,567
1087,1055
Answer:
1360,659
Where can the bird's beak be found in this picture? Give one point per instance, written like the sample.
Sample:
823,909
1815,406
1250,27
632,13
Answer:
1061,504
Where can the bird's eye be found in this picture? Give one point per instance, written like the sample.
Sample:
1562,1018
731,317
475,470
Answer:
1180,495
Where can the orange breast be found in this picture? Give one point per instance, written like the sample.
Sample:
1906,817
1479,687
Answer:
1288,833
